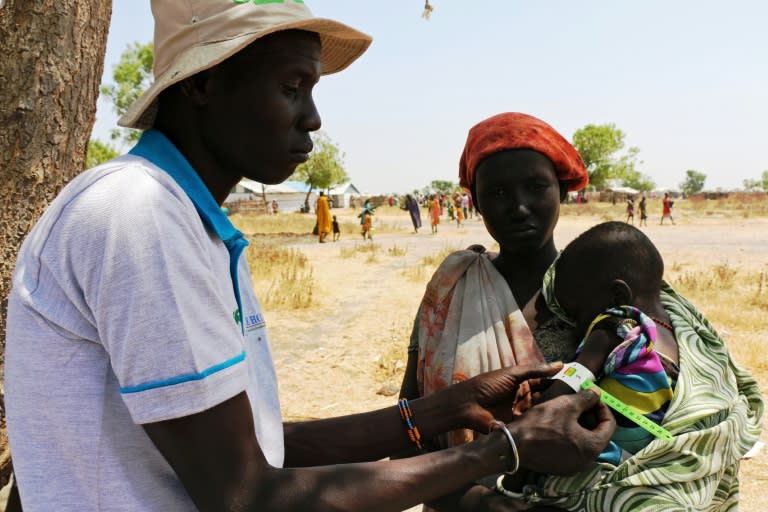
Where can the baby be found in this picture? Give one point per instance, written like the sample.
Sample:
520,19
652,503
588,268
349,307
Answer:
607,284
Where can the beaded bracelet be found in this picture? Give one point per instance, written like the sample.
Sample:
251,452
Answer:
413,431
512,445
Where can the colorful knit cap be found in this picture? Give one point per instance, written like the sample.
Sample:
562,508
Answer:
513,130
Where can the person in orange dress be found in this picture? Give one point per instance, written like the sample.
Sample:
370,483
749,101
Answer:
323,211
434,213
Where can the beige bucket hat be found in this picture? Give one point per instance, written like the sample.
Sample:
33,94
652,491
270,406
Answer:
194,35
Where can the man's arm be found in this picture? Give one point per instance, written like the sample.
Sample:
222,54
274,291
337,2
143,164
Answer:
217,457
471,404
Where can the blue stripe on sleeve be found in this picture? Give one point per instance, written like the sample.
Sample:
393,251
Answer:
184,378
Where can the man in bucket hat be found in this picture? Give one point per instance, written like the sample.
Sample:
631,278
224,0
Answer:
138,373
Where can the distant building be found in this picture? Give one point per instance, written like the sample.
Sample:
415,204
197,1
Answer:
290,195
341,195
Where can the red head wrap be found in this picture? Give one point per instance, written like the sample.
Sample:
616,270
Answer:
512,130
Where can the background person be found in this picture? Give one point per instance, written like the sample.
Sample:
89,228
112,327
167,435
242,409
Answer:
643,211
323,212
336,229
666,208
434,212
412,206
630,210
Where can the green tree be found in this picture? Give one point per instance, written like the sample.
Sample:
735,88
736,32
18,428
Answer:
99,152
750,185
694,182
325,167
600,146
443,186
639,181
132,76
760,183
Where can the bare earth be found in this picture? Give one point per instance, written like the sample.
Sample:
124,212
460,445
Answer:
327,357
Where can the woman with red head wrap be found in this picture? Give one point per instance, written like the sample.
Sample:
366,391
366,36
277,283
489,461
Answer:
480,310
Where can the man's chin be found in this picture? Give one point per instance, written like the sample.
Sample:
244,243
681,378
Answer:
272,178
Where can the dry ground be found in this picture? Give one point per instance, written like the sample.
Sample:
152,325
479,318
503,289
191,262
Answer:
345,353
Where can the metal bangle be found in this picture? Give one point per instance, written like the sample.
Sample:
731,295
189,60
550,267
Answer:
503,427
501,490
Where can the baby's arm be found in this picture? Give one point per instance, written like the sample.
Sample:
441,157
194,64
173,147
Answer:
600,343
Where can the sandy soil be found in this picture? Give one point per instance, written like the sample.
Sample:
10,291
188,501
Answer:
327,357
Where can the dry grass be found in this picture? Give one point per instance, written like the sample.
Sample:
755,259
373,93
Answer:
282,277
397,251
268,224
390,364
423,270
735,301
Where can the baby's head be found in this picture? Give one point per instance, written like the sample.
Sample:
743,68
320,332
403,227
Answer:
611,264
334,217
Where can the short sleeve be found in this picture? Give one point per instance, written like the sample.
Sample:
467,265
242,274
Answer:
157,290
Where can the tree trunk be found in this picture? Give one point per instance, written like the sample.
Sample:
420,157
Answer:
264,197
50,70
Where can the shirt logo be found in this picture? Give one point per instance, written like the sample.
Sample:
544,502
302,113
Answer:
236,316
253,322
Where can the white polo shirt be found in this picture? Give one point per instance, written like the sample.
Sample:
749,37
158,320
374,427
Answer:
124,311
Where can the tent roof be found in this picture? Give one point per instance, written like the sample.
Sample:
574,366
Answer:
292,187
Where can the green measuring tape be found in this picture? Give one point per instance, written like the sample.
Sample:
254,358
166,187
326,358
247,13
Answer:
628,412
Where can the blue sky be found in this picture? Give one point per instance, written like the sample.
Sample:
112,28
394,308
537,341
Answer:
687,81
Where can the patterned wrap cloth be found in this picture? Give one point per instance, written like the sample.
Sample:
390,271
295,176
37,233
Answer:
513,130
469,323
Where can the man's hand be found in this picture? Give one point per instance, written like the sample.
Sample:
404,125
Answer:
551,440
492,395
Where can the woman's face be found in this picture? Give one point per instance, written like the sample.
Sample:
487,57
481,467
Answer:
518,194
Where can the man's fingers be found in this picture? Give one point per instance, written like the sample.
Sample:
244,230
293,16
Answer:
526,372
587,399
606,423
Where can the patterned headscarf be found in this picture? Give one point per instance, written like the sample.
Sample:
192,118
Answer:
513,130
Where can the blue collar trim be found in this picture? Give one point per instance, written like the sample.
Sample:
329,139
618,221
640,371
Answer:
155,147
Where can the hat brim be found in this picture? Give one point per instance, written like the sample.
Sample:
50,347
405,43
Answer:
340,44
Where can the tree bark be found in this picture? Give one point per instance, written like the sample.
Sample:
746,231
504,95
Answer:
50,70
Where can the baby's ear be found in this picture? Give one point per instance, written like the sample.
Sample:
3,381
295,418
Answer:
621,292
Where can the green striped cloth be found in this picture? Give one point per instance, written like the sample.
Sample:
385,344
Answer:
715,416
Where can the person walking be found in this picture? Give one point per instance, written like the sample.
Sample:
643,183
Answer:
666,208
323,212
630,210
643,211
434,212
412,206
